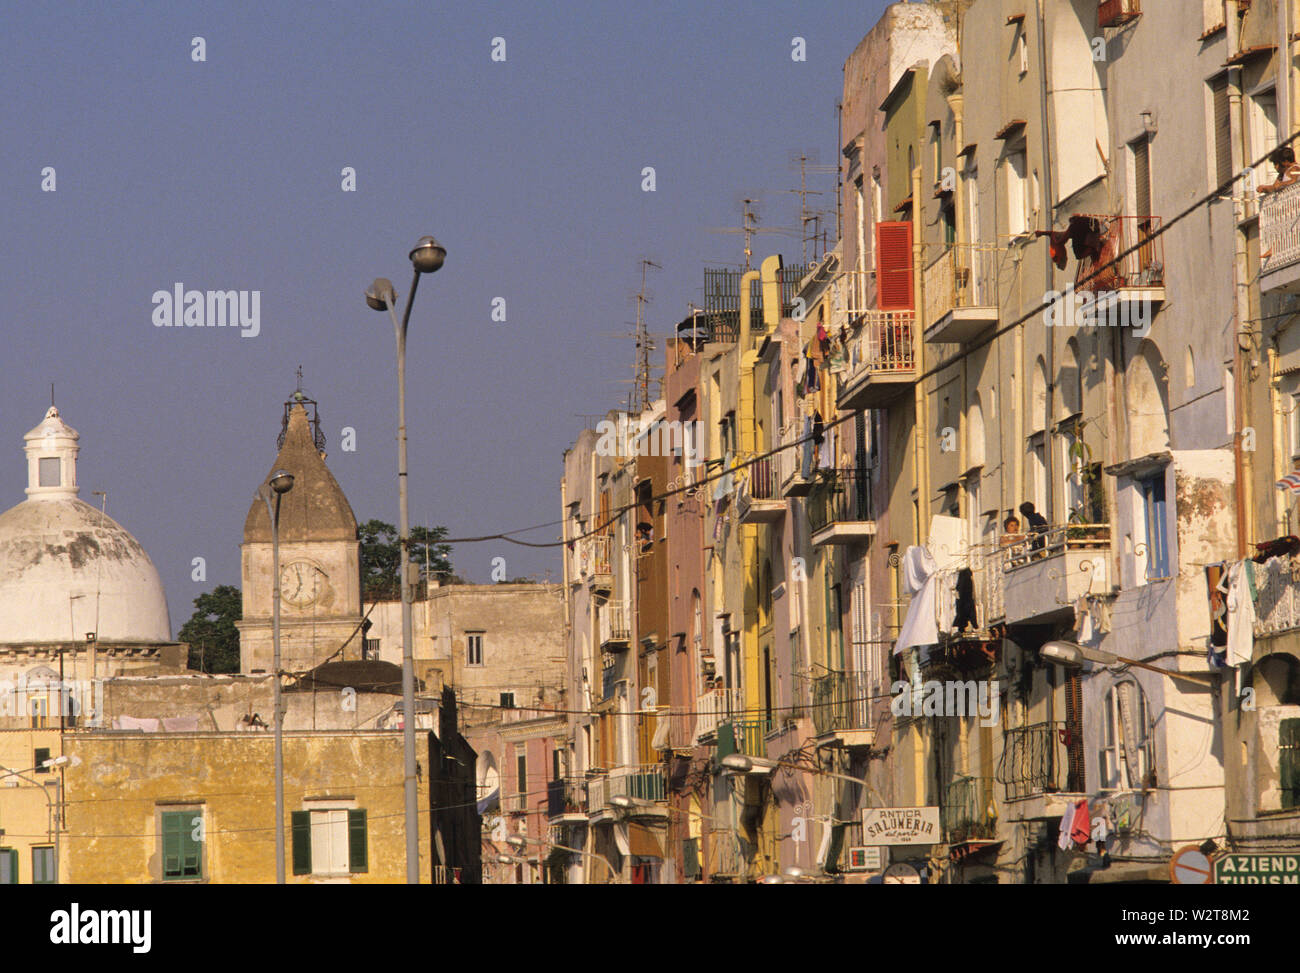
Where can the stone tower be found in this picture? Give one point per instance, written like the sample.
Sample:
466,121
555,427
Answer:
320,560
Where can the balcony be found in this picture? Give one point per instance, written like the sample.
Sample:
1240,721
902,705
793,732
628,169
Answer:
1045,573
1135,285
446,875
794,463
841,709
565,801
961,293
1277,609
1116,13
715,707
596,567
615,628
1279,240
882,360
759,499
748,737
1042,770
839,509
641,783
969,811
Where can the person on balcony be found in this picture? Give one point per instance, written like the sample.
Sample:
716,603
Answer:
1037,524
1288,171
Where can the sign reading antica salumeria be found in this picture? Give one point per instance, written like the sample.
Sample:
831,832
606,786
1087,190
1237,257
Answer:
900,825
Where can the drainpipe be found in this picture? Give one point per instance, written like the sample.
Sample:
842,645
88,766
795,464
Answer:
1050,209
918,356
955,104
1241,312
748,532
1284,68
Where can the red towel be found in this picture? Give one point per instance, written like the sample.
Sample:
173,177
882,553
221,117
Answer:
1081,829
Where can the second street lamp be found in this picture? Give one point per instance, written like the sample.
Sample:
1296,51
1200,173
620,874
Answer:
281,482
426,257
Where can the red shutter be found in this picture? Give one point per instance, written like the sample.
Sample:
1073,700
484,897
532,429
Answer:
894,266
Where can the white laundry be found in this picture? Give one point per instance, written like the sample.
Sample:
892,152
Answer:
1241,616
920,627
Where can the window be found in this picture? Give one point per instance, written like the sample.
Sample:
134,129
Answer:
1038,471
331,841
43,867
1022,50
8,866
38,760
38,713
1125,760
1152,491
1017,186
182,844
1288,762
507,700
1263,131
1140,156
521,778
1295,426
48,471
1222,124
970,186
473,648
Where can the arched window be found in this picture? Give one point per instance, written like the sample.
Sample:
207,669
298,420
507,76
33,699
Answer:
1126,760
1148,406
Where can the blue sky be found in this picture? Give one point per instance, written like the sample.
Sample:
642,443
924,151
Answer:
226,174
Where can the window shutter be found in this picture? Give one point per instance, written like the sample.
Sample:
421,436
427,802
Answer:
894,266
171,823
301,828
1222,130
8,866
357,860
1142,176
1288,753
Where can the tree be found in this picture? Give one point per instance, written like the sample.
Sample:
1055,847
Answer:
211,632
381,558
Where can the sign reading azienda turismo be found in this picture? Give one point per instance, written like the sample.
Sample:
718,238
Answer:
1278,868
900,826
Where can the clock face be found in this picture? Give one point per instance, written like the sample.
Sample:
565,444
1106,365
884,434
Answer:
302,583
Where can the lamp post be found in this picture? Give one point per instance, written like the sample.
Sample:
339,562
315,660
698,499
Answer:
1073,654
281,482
426,258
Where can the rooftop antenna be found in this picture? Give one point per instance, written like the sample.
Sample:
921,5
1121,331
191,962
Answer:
639,398
749,226
803,192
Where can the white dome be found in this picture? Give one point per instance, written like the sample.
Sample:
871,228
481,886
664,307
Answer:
66,569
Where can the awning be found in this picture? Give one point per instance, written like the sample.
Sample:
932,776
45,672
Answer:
643,842
1135,873
492,800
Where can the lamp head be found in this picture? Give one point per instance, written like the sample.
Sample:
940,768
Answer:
380,294
428,255
515,841
738,761
282,481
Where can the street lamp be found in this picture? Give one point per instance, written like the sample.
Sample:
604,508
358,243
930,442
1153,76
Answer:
518,841
1072,654
281,482
743,764
426,257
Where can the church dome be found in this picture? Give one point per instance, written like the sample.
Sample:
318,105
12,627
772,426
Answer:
67,569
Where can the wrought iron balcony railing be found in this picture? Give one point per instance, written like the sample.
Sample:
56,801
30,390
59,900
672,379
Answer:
748,737
969,811
715,707
842,701
845,497
1279,228
962,276
1041,758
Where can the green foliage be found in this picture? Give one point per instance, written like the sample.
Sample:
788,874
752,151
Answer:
381,558
211,632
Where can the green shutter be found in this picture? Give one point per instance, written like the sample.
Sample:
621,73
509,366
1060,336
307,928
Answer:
1288,746
8,866
191,849
171,833
357,861
301,828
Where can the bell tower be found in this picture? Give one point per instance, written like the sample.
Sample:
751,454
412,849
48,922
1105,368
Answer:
320,557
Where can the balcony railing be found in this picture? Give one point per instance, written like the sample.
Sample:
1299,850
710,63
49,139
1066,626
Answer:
1144,268
1278,606
842,701
987,568
844,498
794,472
1113,13
643,783
446,875
969,811
963,276
883,343
759,498
1031,547
748,737
715,707
615,629
1040,759
1279,228
595,565
564,796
